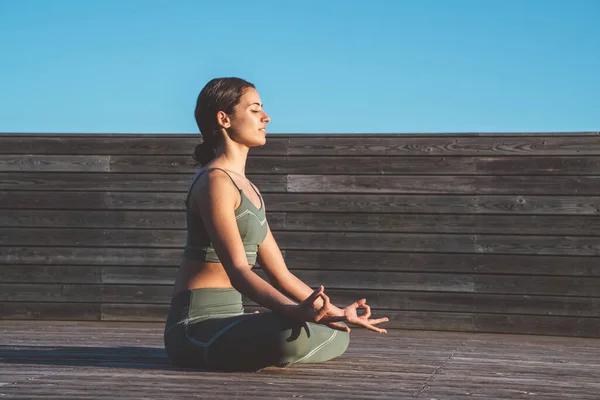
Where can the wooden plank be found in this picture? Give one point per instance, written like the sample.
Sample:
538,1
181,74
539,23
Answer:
469,302
373,165
34,199
441,145
312,165
441,321
312,241
445,243
546,165
53,163
330,241
50,311
435,223
94,219
427,223
444,204
117,144
29,274
92,237
105,219
124,291
118,182
443,262
317,202
409,299
547,325
546,185
90,255
322,260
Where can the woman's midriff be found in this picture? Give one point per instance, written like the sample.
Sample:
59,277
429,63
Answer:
200,274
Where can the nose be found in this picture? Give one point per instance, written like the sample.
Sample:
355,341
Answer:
266,118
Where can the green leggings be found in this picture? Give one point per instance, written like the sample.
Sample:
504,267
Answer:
208,329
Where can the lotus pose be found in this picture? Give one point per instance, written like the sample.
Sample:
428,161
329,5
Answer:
227,232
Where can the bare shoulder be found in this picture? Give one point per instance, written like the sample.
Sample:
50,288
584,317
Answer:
214,188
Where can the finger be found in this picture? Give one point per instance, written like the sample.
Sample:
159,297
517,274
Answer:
255,312
374,328
377,321
338,327
367,308
316,294
323,311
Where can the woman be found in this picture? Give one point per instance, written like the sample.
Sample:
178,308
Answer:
227,232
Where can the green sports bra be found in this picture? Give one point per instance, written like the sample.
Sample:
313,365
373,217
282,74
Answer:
251,222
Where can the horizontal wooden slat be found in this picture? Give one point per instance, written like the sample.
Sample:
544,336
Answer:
53,163
420,242
441,321
317,202
547,185
128,284
409,299
323,260
87,144
437,223
435,262
90,255
65,311
105,219
370,165
439,204
437,145
34,199
422,223
118,182
449,243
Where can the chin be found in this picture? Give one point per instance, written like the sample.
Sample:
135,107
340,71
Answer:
259,142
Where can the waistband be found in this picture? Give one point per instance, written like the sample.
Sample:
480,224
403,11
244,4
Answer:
195,304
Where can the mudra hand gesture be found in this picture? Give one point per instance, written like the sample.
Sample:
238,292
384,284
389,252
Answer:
331,316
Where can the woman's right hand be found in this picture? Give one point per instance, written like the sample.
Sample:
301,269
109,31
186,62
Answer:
307,311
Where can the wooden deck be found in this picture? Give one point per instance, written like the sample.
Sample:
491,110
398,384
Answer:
103,360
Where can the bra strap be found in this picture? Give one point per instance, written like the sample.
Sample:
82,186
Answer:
187,199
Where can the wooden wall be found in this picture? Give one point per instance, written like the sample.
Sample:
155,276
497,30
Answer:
485,233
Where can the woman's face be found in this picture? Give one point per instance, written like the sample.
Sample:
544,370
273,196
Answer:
249,121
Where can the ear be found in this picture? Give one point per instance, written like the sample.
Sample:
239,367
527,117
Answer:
223,120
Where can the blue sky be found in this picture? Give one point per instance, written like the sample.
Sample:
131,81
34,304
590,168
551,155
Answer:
327,66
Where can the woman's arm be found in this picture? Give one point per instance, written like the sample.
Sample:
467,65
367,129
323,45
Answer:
272,262
215,197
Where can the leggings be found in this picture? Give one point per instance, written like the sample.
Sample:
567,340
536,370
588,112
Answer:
208,329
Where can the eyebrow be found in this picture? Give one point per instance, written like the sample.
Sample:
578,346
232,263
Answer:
260,105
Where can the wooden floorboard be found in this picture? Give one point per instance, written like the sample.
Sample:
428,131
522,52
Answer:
104,360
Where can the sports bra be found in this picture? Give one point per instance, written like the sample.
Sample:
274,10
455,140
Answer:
251,222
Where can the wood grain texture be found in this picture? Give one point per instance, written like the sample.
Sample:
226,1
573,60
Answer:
97,200
98,359
473,232
368,222
114,144
438,145
53,163
317,202
321,260
370,165
103,182
547,185
351,241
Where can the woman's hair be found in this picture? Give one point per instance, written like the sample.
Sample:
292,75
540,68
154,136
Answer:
220,94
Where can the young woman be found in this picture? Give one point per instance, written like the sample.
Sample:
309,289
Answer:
227,232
